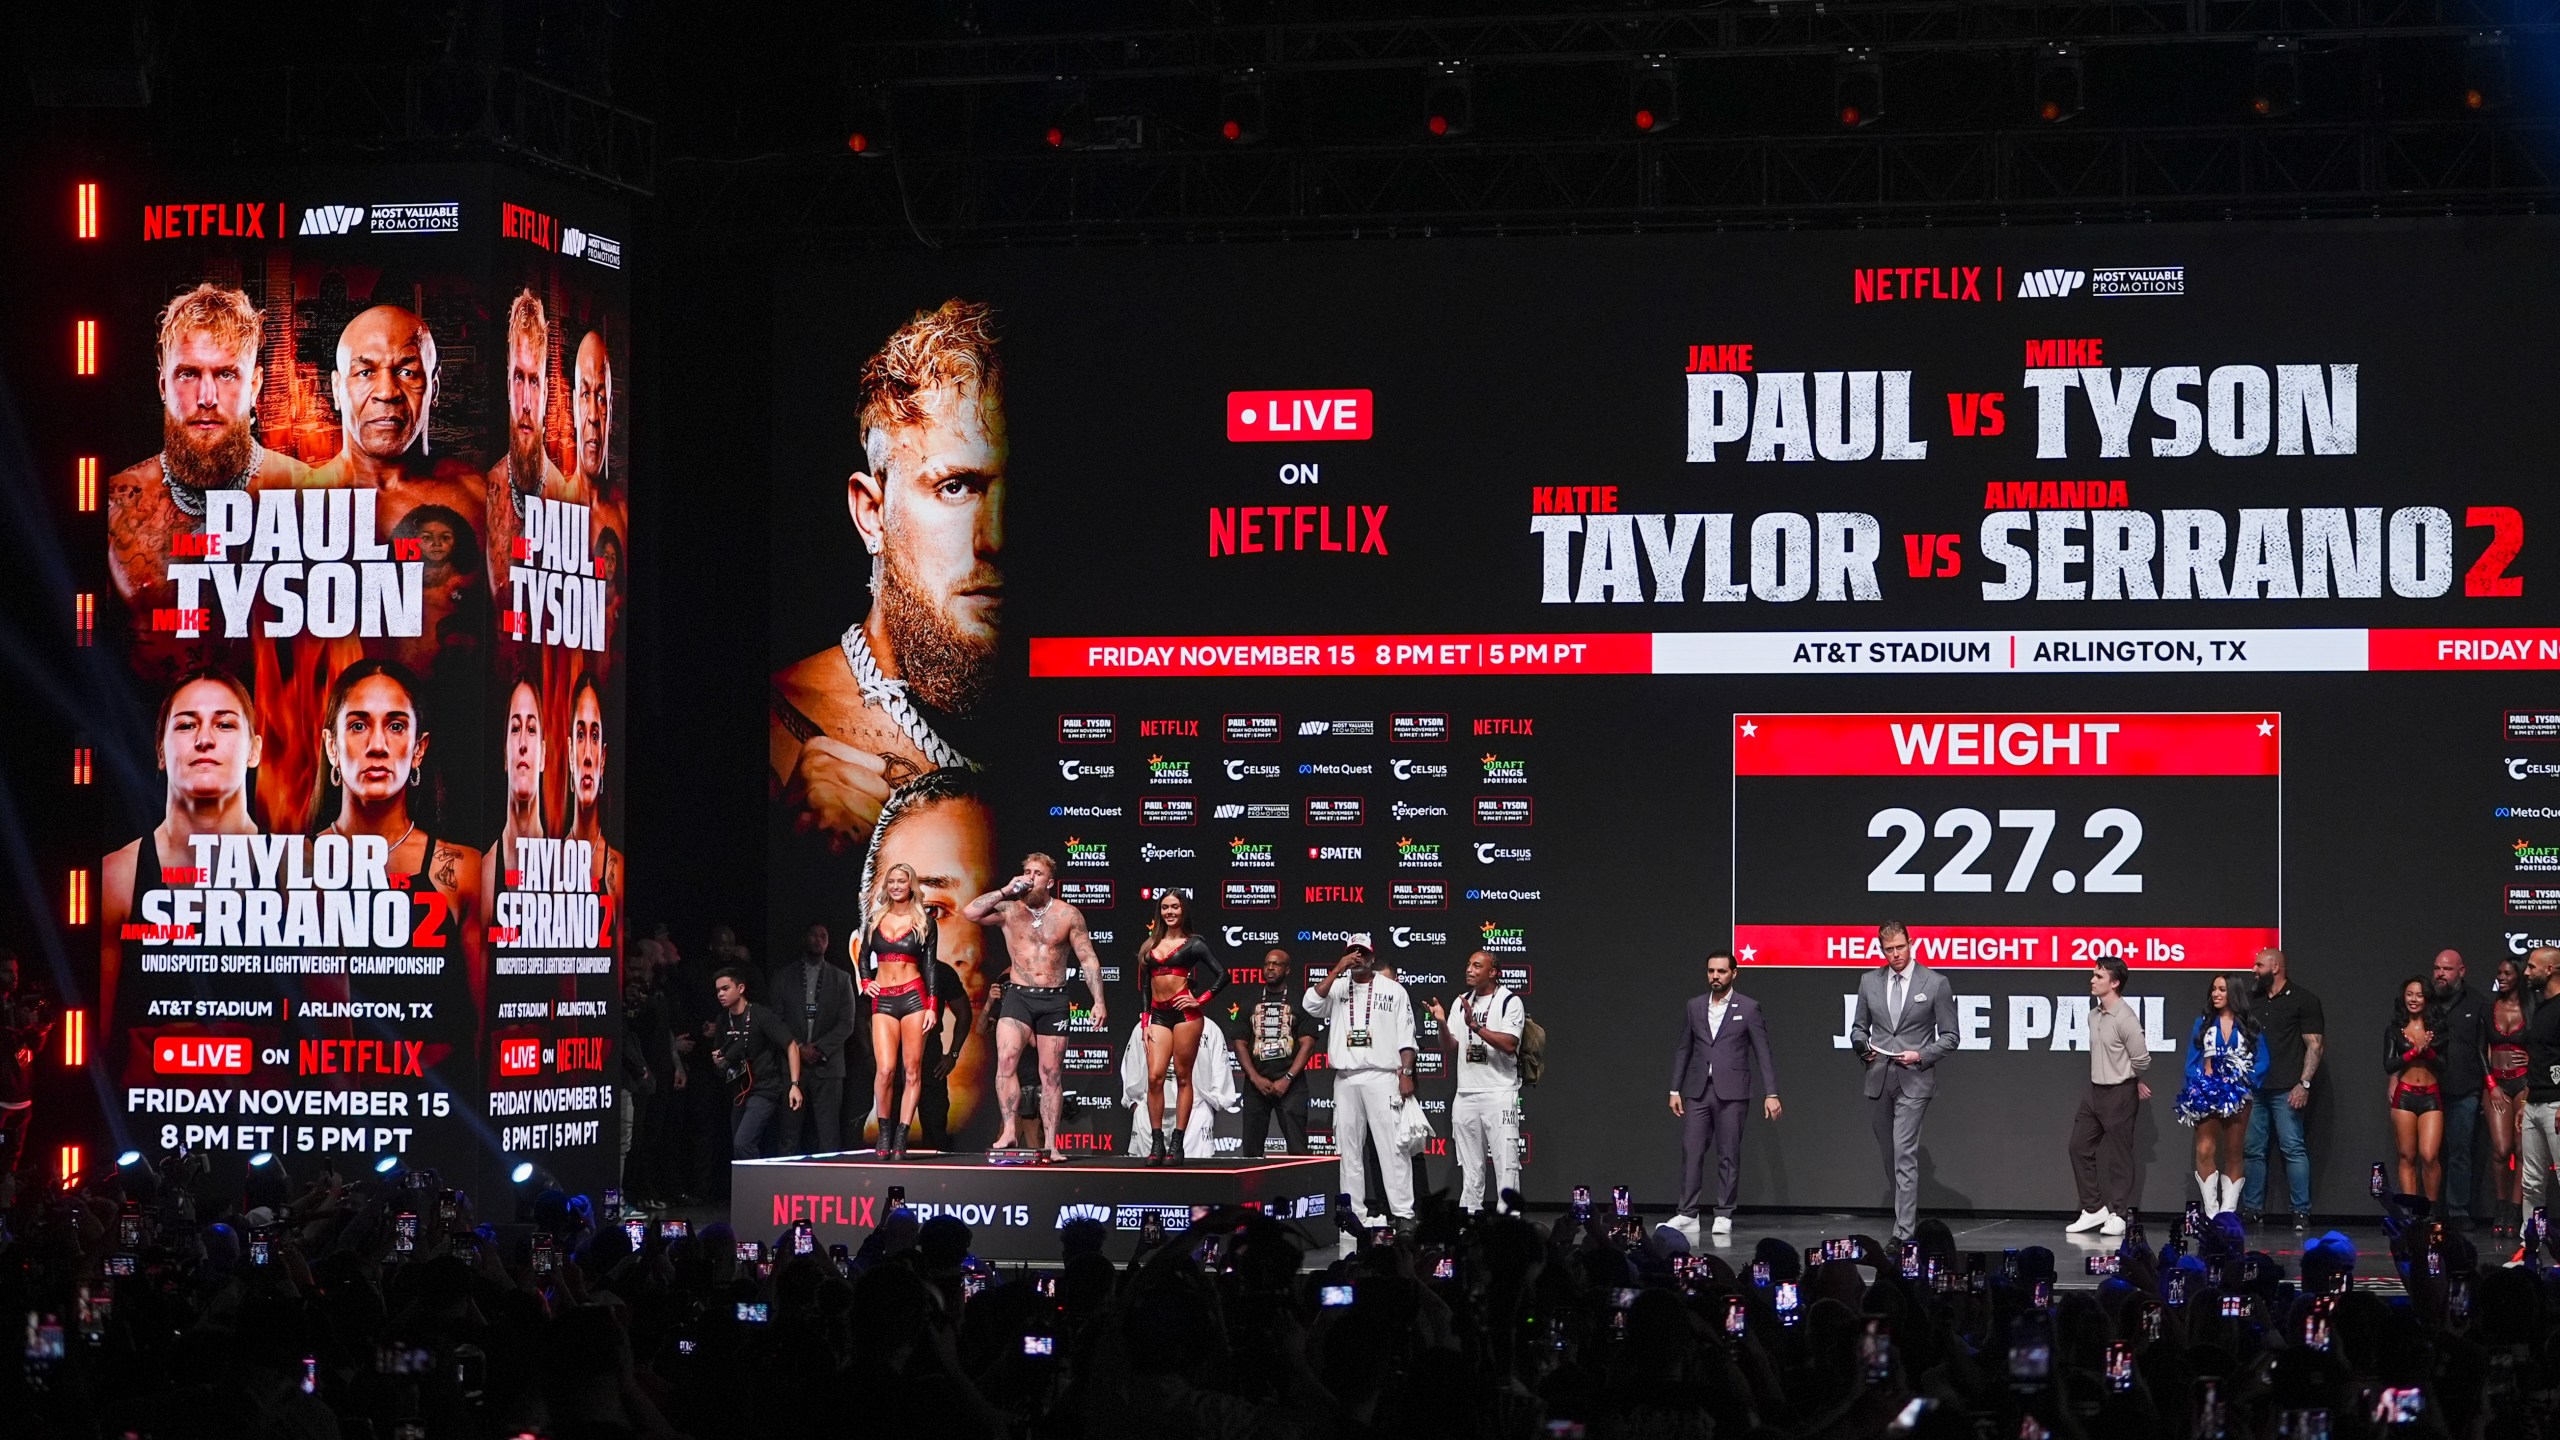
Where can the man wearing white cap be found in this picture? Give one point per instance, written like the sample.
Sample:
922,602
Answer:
1369,1047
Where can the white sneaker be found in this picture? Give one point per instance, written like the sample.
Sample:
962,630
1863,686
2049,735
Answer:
2089,1220
1724,1225
2114,1225
1687,1225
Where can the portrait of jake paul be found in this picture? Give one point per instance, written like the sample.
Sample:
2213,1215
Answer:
939,826
209,380
888,699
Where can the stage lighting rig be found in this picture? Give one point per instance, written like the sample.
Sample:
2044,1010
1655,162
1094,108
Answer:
1653,94
1243,108
2488,82
2275,78
267,1183
2060,83
1857,88
1448,100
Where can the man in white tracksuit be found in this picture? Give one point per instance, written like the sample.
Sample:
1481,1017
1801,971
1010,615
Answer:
1481,1033
1369,1047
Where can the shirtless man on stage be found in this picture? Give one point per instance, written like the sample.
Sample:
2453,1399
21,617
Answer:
1039,930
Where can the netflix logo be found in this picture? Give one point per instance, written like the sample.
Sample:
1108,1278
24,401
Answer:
515,222
230,221
1336,894
1151,729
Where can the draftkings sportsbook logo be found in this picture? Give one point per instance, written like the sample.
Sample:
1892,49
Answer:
1503,940
1088,854
1417,854
1498,771
2532,859
1246,854
1161,771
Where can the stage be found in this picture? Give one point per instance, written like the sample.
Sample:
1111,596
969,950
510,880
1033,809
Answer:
1014,1211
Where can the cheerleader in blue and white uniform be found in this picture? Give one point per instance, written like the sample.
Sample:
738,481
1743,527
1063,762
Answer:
2225,1060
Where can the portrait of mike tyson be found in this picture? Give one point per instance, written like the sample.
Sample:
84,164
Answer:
886,703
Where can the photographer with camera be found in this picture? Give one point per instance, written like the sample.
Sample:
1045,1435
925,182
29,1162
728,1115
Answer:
754,1053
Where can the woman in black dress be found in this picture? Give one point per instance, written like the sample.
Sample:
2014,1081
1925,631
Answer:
1176,976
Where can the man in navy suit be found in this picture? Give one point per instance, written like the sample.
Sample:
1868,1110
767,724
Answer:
1711,1086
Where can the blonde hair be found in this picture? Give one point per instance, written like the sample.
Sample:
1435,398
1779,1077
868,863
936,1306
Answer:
216,310
875,905
949,346
526,320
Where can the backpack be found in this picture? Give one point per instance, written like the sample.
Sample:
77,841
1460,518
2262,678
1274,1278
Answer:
1532,1055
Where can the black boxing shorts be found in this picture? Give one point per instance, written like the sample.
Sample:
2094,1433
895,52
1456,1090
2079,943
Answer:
1042,1007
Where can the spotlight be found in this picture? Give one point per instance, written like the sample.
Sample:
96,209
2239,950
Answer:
2275,78
1857,88
867,128
267,1182
388,1164
1653,95
530,1176
135,1179
2059,83
522,1172
128,1159
1243,108
1448,99
1070,125
2487,83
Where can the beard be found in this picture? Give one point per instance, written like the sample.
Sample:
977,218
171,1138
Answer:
945,666
524,458
205,464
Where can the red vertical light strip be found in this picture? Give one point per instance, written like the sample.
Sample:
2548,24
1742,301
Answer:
69,1165
75,906
84,347
84,210
84,764
84,618
75,1038
85,484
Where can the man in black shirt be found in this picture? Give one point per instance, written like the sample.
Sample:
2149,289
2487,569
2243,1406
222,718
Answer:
815,1000
2541,1144
1273,1039
757,1058
2466,1073
2291,1027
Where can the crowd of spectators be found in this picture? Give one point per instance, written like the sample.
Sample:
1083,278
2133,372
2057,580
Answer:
313,1317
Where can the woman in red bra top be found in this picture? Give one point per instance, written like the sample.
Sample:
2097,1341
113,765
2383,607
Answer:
896,965
2506,1091
1176,977
2413,1052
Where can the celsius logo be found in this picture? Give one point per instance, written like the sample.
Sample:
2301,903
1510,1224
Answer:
1488,853
1238,935
1405,937
1420,770
1419,812
331,219
1498,771
1167,852
2522,943
1298,415
2050,284
1161,771
1085,770
1088,854
1247,770
1417,854
1333,852
2519,768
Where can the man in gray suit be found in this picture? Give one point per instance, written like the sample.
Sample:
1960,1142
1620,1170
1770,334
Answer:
815,1000
1711,1088
1906,1023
